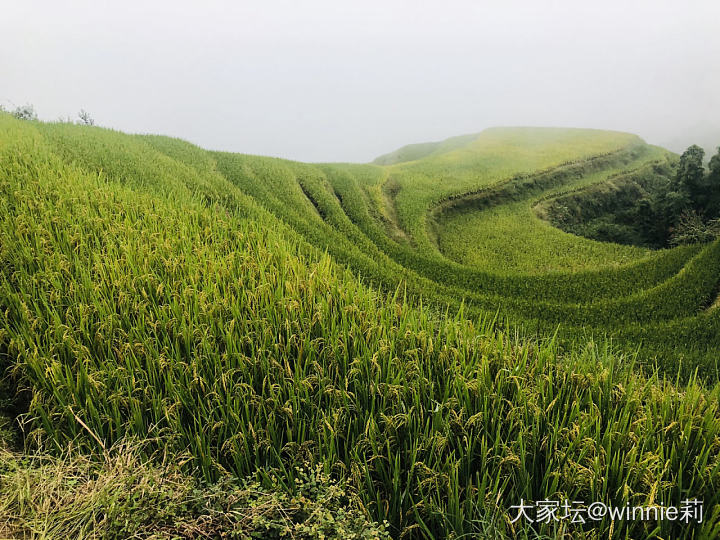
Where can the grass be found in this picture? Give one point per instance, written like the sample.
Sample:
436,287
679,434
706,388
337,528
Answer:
129,496
173,320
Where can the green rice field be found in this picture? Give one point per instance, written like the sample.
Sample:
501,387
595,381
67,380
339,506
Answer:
196,343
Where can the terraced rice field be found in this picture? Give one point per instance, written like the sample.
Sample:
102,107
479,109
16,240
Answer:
411,326
458,225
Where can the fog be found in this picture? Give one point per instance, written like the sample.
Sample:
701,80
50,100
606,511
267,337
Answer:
347,81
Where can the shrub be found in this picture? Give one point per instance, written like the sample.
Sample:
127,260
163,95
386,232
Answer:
25,112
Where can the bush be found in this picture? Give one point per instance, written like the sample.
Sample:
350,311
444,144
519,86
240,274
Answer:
691,229
85,119
25,112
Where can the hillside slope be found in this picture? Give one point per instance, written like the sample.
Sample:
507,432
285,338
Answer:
243,316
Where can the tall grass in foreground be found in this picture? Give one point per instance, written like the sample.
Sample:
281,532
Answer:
226,338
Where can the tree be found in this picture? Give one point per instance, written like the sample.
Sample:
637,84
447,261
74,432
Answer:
25,112
691,228
85,118
713,185
691,176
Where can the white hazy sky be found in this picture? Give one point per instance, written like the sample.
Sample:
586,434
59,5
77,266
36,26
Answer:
333,80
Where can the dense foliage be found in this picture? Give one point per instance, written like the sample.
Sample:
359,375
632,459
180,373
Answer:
665,206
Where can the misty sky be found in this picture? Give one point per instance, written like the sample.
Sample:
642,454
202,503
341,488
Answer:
347,81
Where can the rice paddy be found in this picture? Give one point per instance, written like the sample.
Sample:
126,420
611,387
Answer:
410,329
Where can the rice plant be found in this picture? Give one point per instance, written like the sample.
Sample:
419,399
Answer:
254,317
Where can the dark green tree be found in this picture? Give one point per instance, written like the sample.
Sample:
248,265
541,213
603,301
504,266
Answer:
713,186
690,179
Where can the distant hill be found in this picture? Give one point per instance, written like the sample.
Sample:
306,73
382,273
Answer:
412,152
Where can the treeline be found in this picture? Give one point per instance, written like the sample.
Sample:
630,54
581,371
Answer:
692,206
663,207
